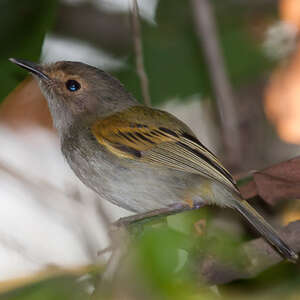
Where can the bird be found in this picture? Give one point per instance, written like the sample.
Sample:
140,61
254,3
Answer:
137,157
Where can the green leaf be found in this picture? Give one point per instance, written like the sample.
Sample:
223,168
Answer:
60,288
174,58
23,28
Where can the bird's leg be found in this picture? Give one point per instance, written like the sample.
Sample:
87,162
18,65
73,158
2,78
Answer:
157,213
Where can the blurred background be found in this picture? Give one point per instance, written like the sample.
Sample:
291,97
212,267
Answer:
229,68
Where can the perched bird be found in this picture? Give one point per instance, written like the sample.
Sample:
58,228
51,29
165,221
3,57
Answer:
136,157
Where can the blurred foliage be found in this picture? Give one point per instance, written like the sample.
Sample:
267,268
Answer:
174,61
162,264
173,57
279,282
60,288
23,27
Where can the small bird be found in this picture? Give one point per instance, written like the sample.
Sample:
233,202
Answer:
136,157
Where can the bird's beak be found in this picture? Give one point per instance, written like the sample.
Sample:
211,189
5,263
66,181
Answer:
31,67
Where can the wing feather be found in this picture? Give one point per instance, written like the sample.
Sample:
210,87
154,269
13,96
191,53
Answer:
154,142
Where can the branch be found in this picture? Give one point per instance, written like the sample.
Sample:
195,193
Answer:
137,40
157,213
261,256
39,187
206,31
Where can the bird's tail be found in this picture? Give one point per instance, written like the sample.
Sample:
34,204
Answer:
265,229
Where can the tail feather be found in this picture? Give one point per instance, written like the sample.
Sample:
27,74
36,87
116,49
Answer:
265,229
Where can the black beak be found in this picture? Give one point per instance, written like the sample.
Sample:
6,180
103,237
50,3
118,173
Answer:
31,67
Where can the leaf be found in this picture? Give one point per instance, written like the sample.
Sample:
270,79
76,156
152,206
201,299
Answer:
23,27
58,288
174,58
25,105
277,183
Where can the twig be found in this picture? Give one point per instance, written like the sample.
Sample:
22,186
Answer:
206,31
38,189
157,213
137,41
105,250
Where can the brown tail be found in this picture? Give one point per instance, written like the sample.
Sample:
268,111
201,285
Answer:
265,229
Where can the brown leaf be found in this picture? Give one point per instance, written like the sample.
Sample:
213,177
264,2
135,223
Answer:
248,190
277,183
24,106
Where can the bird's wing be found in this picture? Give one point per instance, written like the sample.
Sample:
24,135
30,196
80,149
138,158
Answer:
156,137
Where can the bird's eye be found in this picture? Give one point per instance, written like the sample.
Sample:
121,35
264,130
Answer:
73,85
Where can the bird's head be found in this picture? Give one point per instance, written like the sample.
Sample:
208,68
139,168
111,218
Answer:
77,91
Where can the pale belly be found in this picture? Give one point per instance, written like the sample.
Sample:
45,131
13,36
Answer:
129,184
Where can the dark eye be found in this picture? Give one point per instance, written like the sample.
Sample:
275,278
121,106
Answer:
73,85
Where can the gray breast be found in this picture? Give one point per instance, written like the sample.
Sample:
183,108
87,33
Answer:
130,184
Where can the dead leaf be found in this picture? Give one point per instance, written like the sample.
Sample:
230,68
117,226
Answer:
25,106
277,183
248,190
280,182
289,11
